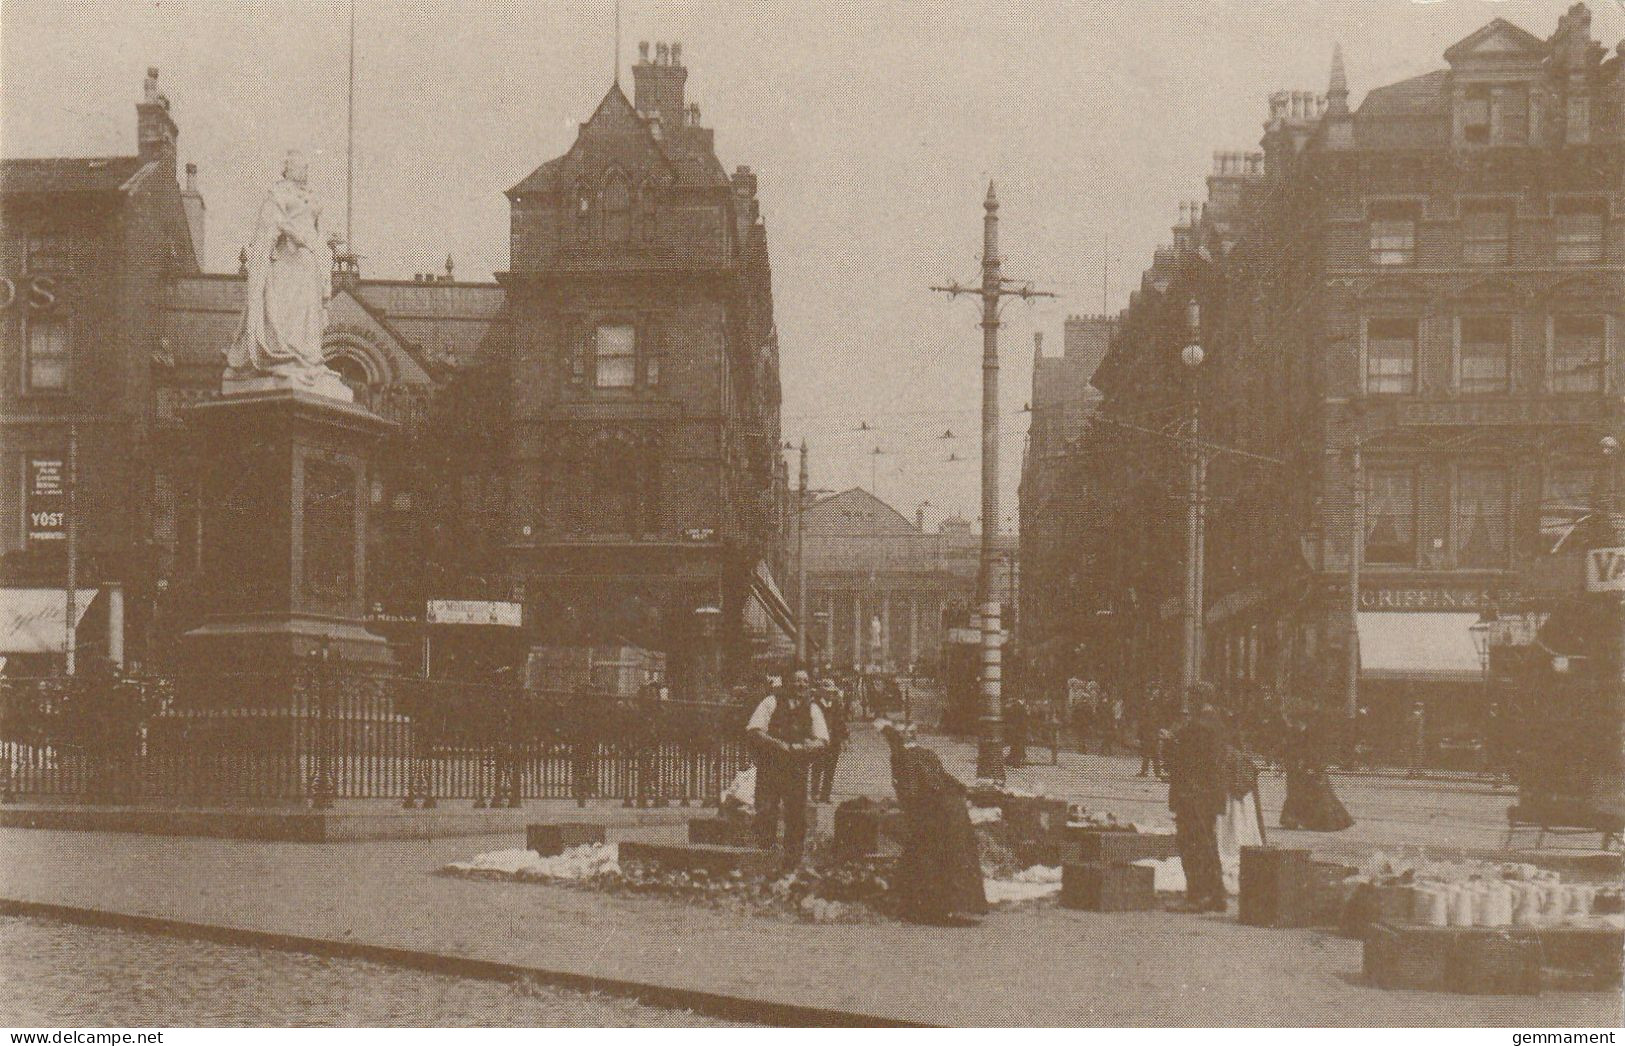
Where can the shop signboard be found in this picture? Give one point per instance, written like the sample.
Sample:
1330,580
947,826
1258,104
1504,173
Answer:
1605,570
47,507
474,612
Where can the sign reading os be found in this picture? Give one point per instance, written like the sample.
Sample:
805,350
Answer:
36,293
47,501
474,612
1605,570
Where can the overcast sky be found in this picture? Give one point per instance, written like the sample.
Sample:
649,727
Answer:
873,127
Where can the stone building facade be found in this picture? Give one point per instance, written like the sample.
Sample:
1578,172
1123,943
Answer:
1434,276
882,590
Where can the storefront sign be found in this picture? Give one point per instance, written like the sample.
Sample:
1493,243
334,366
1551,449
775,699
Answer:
36,293
47,501
474,612
1605,570
1495,412
1429,598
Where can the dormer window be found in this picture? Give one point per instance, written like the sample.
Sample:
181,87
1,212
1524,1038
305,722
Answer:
1493,114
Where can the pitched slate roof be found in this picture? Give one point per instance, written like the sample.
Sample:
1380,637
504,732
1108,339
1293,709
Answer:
407,345
1419,96
67,174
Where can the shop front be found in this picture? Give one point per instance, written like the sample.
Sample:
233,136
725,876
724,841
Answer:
1426,694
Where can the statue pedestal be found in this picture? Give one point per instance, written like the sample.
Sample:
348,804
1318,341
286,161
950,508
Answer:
284,517
282,649
323,383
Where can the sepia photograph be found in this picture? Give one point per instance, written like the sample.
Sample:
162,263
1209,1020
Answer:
702,514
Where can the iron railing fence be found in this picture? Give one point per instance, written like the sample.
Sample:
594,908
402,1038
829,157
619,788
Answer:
324,731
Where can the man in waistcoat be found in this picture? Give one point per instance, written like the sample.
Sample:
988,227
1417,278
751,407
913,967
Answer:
786,731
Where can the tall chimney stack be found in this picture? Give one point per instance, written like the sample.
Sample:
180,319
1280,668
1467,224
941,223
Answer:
155,130
192,204
657,86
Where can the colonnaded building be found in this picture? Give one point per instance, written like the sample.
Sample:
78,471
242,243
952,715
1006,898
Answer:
594,435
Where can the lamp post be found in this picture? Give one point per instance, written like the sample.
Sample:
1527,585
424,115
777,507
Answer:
1480,631
801,561
1351,679
1195,513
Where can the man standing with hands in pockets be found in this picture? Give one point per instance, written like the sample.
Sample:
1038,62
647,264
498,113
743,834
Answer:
786,731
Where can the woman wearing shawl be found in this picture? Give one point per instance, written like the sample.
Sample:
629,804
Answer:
1311,803
938,878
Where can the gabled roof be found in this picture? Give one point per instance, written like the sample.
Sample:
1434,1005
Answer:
614,117
1497,37
1419,96
411,349
103,174
618,132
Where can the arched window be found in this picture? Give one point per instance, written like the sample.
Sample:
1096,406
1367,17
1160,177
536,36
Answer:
617,210
355,373
581,205
648,208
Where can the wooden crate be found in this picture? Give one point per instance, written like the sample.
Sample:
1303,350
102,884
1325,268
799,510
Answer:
721,831
1482,960
1407,956
864,830
1095,844
1096,886
1277,887
1490,962
714,861
550,840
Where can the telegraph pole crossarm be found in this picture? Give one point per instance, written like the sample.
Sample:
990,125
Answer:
993,290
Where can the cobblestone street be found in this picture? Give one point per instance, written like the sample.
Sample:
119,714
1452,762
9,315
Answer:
58,975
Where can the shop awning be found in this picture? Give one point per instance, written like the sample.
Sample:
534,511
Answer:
1427,647
767,613
34,620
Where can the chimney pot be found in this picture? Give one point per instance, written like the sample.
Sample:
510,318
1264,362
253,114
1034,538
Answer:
662,54
676,53
643,51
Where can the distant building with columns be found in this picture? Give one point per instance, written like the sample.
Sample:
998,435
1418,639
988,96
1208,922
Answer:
881,589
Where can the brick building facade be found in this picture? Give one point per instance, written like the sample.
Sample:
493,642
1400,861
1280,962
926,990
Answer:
595,434
88,246
1063,403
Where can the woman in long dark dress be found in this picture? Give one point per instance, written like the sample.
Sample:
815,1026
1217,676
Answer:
1311,803
938,878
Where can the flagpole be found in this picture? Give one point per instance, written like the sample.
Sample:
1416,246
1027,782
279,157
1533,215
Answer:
349,151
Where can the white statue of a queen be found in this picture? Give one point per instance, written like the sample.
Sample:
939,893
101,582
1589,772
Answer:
279,342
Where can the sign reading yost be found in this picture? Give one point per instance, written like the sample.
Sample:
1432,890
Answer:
47,507
1605,570
474,612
